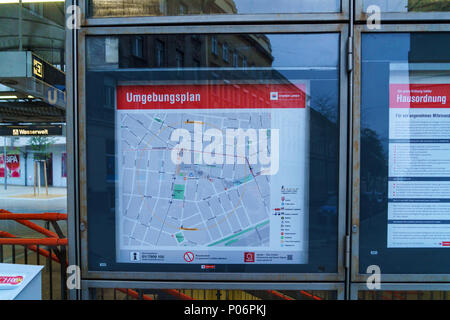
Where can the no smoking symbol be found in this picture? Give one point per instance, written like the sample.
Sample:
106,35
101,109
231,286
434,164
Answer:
188,257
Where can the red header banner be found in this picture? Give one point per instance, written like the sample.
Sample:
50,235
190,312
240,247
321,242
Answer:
419,96
232,96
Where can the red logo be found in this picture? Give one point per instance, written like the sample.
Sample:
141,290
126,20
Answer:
446,244
188,256
249,257
208,266
11,280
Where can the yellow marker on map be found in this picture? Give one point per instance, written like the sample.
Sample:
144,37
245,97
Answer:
189,229
194,122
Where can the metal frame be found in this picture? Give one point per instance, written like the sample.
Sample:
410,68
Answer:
355,153
80,110
72,154
224,18
356,287
332,286
349,152
360,15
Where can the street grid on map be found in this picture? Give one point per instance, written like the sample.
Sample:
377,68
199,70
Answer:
165,204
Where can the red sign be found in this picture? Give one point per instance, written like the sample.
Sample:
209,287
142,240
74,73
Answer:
208,266
188,256
12,163
419,96
211,96
249,257
446,244
11,280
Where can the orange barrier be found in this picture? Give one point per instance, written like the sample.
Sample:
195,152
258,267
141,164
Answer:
42,252
172,292
47,216
134,294
51,242
310,295
178,294
23,218
38,228
279,295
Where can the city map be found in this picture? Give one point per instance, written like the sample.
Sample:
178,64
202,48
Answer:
165,204
212,174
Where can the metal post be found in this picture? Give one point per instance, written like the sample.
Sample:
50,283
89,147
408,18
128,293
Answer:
6,169
34,177
38,177
25,155
20,26
45,177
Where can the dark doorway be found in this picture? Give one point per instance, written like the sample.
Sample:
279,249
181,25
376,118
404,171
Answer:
48,158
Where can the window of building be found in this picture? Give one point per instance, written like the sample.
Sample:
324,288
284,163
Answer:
160,52
183,9
179,57
225,52
138,47
163,7
214,46
121,8
244,63
235,59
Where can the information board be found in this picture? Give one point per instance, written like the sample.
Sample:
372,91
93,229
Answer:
419,162
212,173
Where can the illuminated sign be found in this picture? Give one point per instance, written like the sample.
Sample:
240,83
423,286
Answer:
38,68
18,131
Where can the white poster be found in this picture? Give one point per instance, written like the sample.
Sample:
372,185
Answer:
212,174
419,157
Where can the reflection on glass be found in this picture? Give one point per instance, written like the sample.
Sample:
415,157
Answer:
403,295
33,175
409,5
209,294
405,125
118,8
235,61
43,29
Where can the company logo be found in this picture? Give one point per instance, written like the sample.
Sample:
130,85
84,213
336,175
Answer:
188,256
208,266
15,132
38,69
274,96
11,280
249,257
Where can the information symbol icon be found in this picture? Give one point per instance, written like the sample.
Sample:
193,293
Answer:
134,256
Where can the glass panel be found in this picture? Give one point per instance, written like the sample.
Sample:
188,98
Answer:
405,148
127,8
404,295
33,156
210,294
409,5
204,214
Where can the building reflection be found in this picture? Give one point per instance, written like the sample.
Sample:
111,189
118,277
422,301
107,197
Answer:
112,8
195,51
220,59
